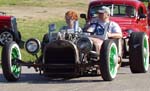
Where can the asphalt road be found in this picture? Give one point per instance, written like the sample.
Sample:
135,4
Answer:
32,81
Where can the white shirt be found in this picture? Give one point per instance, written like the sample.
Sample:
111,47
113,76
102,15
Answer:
103,28
113,26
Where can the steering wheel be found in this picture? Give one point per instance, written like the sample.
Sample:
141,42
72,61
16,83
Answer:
98,29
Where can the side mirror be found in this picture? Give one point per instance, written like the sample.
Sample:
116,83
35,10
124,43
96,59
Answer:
142,16
83,16
52,27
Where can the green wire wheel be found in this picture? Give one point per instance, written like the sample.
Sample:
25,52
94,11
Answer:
139,52
109,60
10,55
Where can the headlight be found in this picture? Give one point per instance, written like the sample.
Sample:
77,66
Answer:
85,45
32,45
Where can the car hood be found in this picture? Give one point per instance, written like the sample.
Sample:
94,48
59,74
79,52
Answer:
5,18
5,22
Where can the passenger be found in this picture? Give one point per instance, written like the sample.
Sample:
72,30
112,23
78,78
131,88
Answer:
72,22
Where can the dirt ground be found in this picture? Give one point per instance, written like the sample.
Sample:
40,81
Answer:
30,12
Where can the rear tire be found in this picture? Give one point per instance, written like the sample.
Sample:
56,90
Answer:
10,55
109,60
138,52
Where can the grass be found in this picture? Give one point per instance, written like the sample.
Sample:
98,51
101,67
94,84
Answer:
44,3
37,28
34,29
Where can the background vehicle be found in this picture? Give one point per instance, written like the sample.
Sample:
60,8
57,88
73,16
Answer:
71,54
137,22
8,29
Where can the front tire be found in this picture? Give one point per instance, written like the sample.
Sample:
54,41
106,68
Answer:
10,55
139,52
109,60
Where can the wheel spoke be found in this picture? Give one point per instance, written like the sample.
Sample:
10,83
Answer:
146,53
112,58
15,68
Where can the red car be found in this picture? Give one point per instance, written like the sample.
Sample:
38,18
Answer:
137,22
8,29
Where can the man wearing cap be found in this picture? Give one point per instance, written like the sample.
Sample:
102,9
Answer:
112,28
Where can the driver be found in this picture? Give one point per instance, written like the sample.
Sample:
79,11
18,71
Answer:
129,11
112,28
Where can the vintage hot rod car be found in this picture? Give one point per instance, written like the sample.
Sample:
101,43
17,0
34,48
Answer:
71,54
8,29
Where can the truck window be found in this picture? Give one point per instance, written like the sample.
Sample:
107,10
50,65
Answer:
116,10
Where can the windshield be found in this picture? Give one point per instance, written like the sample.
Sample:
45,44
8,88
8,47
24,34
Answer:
116,10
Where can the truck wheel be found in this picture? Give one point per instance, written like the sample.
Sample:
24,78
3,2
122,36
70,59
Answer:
109,60
6,36
10,55
139,52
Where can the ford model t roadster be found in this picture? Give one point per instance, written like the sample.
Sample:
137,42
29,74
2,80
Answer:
70,54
